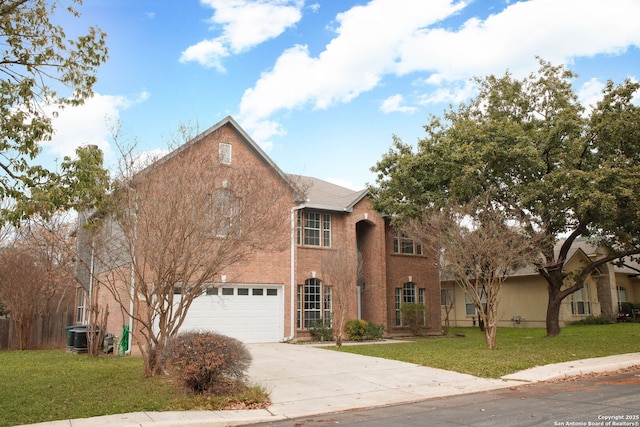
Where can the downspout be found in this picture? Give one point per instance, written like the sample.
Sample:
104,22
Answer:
292,311
85,320
131,297
132,293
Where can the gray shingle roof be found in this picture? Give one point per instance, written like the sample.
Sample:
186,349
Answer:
324,195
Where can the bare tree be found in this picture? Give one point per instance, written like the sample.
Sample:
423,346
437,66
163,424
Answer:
479,251
22,281
35,273
175,226
340,270
51,239
448,302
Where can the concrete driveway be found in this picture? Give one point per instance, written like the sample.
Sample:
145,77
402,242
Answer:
305,379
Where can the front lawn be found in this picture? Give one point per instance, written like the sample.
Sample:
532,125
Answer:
517,348
50,385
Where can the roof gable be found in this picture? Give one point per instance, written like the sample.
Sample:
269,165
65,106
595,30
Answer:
242,136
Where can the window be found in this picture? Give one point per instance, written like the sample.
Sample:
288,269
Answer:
402,244
314,304
314,229
580,302
224,153
225,213
243,291
622,294
446,297
407,295
227,291
622,298
272,292
80,308
257,292
470,308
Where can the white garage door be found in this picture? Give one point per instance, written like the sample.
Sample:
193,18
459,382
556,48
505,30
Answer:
250,313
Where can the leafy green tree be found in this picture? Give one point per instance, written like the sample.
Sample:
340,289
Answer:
557,168
43,70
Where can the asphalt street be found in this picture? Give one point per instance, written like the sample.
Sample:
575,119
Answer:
605,400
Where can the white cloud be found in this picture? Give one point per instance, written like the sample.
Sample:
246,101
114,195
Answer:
394,103
88,123
453,93
245,24
558,31
381,38
353,62
591,93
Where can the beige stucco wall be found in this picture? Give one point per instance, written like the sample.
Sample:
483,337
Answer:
525,297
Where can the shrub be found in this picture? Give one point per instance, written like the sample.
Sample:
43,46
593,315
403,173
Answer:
321,331
356,329
203,360
415,317
375,331
592,320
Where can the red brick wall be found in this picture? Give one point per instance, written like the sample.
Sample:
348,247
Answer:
421,270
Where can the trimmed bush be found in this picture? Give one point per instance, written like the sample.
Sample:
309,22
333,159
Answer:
592,320
356,329
206,361
415,317
321,331
375,331
361,330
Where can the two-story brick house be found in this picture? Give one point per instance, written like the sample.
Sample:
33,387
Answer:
276,295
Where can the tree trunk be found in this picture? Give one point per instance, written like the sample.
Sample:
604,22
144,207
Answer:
23,332
604,297
553,313
490,332
154,364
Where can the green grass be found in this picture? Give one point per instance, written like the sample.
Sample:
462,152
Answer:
517,348
50,385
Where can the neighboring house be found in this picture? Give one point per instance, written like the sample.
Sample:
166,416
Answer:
524,297
277,296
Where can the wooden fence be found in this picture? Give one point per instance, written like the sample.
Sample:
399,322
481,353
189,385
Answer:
47,331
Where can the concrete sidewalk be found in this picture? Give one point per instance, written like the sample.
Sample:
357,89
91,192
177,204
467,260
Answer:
305,380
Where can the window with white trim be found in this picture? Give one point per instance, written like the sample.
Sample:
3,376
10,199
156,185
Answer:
314,304
407,295
314,229
622,294
403,244
580,302
81,305
470,308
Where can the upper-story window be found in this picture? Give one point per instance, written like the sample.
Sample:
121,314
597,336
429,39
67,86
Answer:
225,213
224,153
314,229
403,244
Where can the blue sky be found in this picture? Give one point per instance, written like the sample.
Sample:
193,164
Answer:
322,85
